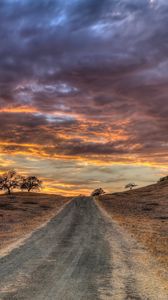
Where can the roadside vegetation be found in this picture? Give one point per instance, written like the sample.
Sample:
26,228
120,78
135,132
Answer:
28,212
144,213
97,192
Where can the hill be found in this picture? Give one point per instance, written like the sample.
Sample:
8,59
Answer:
144,213
22,213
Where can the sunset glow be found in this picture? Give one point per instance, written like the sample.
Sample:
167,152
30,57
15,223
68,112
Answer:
84,92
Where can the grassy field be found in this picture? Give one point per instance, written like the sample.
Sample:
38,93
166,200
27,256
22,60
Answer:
144,213
22,213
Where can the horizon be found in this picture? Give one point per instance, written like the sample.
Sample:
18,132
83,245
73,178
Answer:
72,194
83,92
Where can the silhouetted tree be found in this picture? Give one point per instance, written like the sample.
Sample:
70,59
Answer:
30,183
130,186
165,178
97,192
9,181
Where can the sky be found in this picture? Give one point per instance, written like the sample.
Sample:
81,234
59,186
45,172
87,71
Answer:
84,92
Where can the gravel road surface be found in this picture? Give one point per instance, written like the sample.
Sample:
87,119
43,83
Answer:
80,254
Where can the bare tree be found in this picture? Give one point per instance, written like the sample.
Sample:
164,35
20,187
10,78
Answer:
130,186
30,183
97,192
9,181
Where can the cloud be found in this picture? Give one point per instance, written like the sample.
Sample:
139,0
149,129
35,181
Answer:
84,80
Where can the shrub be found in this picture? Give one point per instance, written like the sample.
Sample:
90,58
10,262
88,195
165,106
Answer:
97,192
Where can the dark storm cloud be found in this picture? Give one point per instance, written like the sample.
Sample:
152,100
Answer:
102,61
32,129
37,35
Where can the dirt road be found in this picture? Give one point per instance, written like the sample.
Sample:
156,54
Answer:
80,254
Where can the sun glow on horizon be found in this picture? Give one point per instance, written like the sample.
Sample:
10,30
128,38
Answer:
83,92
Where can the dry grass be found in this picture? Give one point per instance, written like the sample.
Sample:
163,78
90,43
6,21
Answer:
144,213
21,213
